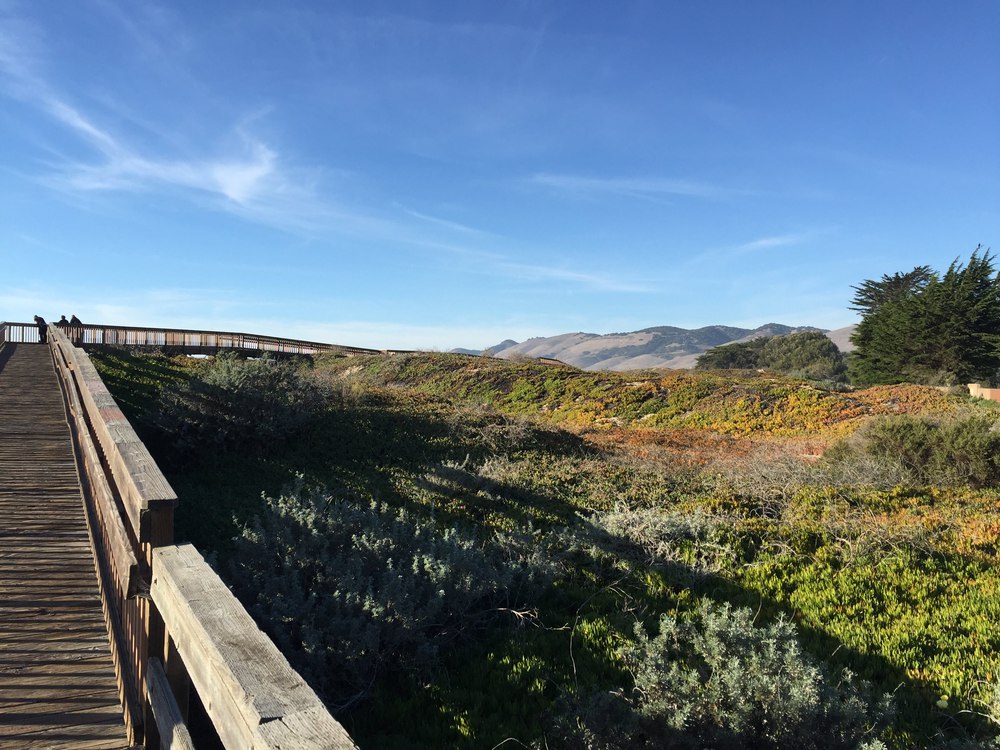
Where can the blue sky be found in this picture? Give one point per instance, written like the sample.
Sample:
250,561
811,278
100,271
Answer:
438,174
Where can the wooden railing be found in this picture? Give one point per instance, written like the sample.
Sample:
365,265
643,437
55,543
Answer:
19,333
174,626
181,340
204,342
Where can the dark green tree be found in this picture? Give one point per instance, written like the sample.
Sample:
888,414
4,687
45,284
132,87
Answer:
939,330
870,295
808,354
742,356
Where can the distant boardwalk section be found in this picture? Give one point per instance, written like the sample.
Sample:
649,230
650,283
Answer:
183,341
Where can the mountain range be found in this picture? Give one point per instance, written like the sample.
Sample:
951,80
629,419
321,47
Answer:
661,346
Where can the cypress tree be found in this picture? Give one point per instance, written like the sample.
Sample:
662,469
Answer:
927,328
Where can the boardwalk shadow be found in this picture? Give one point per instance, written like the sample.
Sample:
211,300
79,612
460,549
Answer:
6,352
375,447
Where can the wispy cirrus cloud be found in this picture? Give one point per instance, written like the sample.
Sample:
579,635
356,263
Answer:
482,259
150,27
99,153
772,241
243,174
244,180
246,176
595,281
75,121
742,251
438,221
648,188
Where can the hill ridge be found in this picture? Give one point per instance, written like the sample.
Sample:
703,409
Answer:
656,346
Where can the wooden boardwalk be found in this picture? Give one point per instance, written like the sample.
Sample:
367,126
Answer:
57,682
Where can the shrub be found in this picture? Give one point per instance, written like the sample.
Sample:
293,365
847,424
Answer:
963,451
489,430
720,682
727,683
691,544
740,356
349,590
239,405
808,354
991,705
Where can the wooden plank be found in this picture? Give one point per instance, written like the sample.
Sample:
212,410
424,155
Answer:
170,724
117,567
57,683
147,479
307,728
253,696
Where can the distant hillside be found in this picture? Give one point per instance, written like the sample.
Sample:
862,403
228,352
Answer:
661,346
842,338
503,345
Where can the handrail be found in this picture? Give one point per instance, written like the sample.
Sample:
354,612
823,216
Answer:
252,694
170,636
187,340
19,333
183,340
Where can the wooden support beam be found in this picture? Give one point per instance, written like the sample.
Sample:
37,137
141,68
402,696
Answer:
253,696
170,724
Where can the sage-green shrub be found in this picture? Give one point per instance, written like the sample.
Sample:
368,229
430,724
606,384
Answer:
725,682
349,590
720,681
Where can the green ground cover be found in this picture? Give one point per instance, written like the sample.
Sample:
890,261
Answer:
547,474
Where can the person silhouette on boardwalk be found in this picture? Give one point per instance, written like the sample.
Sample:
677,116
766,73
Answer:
42,334
76,330
62,322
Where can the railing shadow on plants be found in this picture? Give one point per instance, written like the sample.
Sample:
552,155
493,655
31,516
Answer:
368,445
479,497
134,378
373,443
349,587
365,440
386,423
579,705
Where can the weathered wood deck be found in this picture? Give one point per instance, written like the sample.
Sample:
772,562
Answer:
57,682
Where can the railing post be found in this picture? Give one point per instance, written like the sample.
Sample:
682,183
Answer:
157,530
